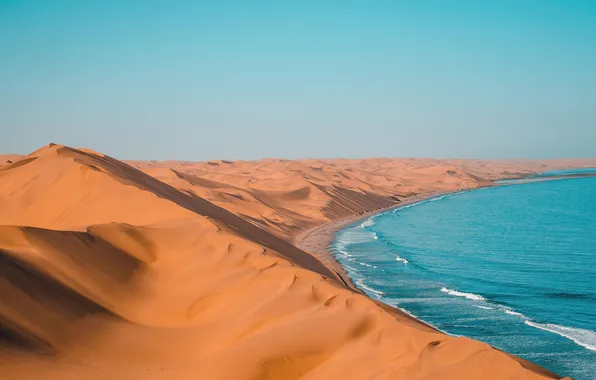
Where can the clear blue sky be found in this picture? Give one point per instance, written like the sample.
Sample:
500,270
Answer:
200,80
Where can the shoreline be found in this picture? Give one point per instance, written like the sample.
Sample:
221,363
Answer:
544,178
317,240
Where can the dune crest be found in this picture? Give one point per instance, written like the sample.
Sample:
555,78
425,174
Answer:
286,197
187,272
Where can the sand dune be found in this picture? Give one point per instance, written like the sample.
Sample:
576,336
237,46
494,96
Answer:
7,159
286,196
186,271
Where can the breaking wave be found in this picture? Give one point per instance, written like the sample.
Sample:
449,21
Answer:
401,259
470,296
376,292
515,313
368,223
432,199
584,338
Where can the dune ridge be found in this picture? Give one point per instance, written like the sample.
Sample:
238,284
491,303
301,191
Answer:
7,159
187,270
287,197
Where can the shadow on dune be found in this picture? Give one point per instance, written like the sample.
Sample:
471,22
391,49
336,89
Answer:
131,176
35,308
51,280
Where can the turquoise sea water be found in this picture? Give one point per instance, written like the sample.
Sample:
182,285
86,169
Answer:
568,171
513,266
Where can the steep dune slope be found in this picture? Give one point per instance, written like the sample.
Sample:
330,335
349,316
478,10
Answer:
78,188
286,197
233,314
109,273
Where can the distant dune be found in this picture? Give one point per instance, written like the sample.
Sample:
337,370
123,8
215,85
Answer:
285,196
178,270
7,159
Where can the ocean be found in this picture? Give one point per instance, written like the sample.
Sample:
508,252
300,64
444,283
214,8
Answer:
513,266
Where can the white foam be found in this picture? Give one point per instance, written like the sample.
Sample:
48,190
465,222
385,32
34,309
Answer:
584,338
367,265
401,259
351,268
367,223
428,323
470,296
375,236
445,196
432,199
483,307
353,236
344,253
376,292
408,206
511,312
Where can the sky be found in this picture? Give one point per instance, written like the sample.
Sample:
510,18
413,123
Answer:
200,80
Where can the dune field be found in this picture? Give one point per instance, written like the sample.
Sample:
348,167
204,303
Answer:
179,270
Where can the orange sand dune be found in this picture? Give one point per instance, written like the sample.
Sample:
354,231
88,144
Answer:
7,159
285,196
110,272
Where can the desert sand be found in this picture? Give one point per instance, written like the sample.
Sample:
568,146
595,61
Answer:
7,159
179,270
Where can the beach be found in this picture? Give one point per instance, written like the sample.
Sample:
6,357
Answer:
317,240
212,190
447,263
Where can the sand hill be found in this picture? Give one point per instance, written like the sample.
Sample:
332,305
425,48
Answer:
7,159
286,196
186,271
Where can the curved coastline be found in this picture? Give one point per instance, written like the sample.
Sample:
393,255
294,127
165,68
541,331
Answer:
177,267
317,241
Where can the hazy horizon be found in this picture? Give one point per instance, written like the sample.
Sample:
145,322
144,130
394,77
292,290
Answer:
127,158
249,80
